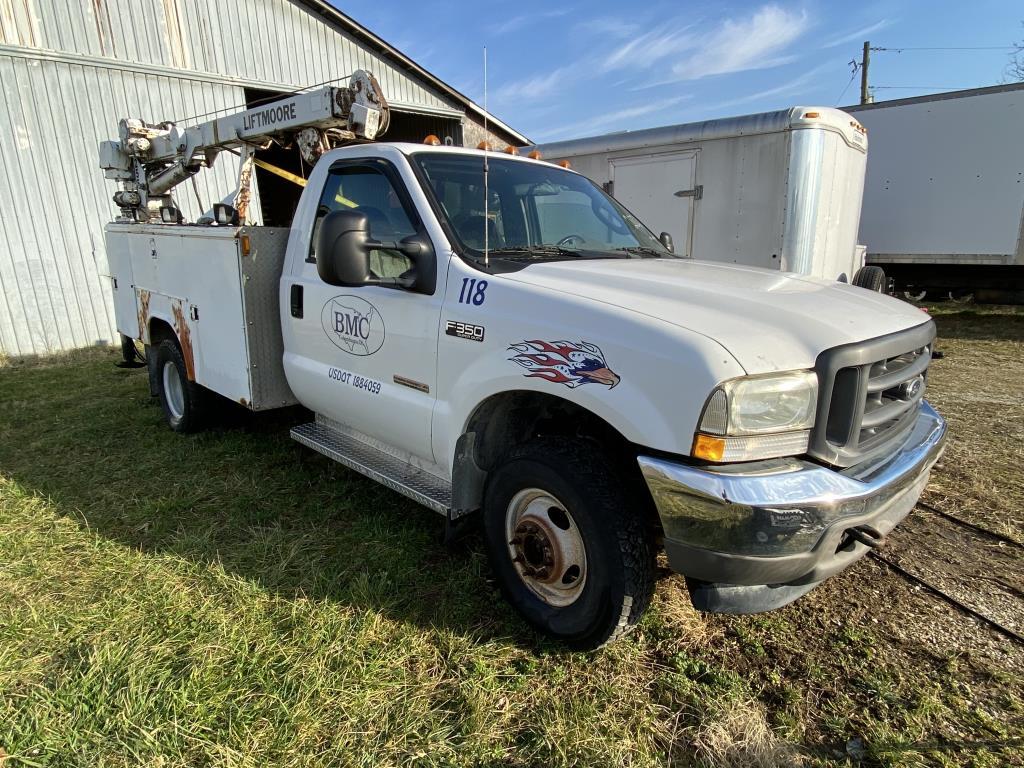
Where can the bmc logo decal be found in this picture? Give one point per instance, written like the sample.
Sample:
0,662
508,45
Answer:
353,325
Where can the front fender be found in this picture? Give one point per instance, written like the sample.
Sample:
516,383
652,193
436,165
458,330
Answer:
651,387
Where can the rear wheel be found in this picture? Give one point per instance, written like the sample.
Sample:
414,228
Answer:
870,277
569,553
183,401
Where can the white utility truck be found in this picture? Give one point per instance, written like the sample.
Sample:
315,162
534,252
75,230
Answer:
780,190
497,338
944,197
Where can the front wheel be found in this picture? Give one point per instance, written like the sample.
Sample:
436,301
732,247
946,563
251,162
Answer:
570,552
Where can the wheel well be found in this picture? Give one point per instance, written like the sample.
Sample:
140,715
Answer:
508,419
160,330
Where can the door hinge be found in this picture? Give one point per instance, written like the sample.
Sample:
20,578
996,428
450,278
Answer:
193,312
296,300
696,193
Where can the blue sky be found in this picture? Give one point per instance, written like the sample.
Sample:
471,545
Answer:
564,70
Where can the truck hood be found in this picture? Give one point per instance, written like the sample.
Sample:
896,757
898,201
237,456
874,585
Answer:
769,321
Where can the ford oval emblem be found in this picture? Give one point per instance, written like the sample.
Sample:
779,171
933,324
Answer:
353,325
911,389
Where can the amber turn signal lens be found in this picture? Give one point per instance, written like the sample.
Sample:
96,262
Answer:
510,150
534,155
708,448
564,164
246,245
811,115
486,145
432,140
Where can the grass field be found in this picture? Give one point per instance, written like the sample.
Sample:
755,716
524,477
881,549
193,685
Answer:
233,599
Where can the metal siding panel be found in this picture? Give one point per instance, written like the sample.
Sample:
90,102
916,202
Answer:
31,269
53,295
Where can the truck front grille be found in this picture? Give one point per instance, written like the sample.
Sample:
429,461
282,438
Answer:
870,394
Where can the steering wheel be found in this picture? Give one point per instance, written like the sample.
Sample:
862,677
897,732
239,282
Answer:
571,240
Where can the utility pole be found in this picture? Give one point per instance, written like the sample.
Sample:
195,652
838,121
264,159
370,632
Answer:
865,97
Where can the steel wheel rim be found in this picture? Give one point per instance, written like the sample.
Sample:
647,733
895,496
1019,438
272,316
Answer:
546,547
173,392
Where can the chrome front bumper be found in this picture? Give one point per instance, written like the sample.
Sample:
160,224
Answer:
783,522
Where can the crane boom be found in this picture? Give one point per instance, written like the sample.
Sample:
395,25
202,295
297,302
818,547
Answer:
150,159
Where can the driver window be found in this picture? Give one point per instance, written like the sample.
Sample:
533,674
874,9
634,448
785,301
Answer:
368,190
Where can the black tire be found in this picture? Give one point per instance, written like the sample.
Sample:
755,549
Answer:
619,564
186,413
872,278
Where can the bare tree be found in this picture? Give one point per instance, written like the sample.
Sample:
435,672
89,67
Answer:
1015,67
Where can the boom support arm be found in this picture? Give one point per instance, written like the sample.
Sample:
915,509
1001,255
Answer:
149,160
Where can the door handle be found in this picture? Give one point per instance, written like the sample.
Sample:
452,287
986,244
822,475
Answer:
296,300
696,193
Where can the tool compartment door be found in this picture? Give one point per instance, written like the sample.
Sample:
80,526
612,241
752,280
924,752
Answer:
660,190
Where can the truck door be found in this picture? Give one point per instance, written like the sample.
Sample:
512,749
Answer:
660,190
364,356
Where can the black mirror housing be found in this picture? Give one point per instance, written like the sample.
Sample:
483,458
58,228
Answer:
342,255
666,240
343,251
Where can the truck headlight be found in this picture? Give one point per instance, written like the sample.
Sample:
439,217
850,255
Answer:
758,417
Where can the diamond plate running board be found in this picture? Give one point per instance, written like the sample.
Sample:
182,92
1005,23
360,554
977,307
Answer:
429,490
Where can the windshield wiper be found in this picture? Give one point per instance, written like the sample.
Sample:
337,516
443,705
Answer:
539,250
644,251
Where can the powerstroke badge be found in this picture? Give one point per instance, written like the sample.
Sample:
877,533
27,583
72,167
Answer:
353,325
564,362
464,330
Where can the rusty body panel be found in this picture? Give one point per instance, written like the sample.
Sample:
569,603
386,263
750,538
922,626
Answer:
184,333
144,297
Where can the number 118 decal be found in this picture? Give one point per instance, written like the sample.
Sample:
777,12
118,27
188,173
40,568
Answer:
473,291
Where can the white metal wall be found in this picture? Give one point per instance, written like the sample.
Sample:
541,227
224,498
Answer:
69,70
270,42
56,201
945,180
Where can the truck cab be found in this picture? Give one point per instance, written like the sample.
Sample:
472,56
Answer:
499,339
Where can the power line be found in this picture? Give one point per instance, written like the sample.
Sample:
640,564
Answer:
853,76
969,48
919,88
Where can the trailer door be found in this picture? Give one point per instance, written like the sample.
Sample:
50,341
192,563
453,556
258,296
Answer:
660,190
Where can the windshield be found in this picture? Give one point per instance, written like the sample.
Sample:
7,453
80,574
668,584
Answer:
534,210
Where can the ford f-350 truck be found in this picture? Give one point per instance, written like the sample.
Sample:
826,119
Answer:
494,335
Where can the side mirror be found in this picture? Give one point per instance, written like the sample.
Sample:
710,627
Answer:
666,240
342,255
343,249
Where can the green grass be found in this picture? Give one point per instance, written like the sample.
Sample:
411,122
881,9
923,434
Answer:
232,599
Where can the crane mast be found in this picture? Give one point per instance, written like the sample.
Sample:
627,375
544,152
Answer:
150,159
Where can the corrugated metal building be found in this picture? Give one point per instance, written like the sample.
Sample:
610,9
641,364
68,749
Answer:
70,69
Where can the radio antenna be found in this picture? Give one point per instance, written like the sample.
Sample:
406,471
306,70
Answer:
487,197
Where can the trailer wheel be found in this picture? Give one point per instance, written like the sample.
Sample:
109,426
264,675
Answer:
183,401
569,552
870,277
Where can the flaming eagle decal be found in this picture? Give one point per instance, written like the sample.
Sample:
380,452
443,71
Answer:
564,362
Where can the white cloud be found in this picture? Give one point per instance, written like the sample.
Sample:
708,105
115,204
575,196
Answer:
858,35
756,42
600,121
607,27
679,50
523,20
794,86
533,87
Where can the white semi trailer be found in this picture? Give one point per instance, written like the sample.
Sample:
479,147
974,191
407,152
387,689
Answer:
780,190
944,197
498,339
